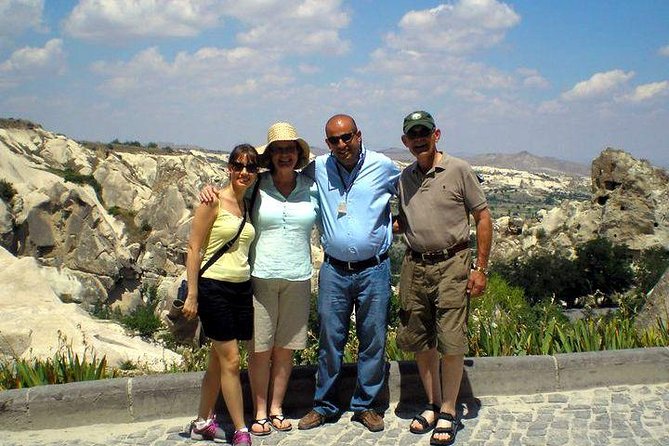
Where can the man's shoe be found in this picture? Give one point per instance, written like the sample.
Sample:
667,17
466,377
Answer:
311,420
370,419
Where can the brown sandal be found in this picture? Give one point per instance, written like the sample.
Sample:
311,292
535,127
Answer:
262,423
280,418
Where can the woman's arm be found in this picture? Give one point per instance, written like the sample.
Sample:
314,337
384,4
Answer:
205,214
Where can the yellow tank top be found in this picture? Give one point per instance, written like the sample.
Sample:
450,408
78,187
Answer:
233,266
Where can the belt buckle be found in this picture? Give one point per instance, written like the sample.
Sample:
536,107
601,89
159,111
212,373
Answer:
425,257
348,266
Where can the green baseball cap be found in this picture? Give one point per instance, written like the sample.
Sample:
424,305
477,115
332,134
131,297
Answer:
419,117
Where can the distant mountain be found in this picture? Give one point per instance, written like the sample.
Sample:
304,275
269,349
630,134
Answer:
526,161
518,161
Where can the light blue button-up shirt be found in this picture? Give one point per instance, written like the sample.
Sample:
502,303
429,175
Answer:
282,249
355,220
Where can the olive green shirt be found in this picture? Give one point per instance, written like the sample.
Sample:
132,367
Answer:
435,206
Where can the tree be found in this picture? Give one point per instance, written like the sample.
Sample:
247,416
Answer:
604,266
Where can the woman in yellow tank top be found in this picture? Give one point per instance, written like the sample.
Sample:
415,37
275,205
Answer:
222,297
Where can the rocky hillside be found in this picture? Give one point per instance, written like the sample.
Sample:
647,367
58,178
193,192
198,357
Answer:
90,222
528,162
629,205
99,222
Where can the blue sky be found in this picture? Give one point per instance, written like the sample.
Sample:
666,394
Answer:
558,78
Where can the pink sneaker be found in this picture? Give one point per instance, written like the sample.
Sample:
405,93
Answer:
241,439
208,430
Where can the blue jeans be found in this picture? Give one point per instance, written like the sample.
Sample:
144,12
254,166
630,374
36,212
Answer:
338,292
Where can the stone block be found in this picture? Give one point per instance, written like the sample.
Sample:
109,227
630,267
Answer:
163,396
613,367
515,375
13,409
80,403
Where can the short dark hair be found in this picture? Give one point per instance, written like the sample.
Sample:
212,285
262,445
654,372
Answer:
244,149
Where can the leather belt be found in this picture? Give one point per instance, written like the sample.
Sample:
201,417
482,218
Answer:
356,266
437,256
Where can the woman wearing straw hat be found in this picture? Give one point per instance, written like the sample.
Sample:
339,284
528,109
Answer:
284,214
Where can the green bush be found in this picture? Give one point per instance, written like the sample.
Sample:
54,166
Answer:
77,178
143,319
7,191
599,265
604,266
651,265
542,276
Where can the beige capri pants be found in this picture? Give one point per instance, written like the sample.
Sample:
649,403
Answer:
281,314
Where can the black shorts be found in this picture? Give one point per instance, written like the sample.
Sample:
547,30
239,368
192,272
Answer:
225,309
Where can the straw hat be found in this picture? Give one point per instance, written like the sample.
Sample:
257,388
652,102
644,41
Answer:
283,131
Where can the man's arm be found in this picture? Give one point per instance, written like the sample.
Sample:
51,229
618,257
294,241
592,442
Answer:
477,279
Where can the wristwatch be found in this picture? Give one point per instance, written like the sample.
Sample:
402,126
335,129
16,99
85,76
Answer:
480,269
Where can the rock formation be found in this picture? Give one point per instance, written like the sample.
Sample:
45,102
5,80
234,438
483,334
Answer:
35,323
629,205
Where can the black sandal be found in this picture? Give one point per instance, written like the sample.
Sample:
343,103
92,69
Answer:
280,418
452,430
425,425
262,422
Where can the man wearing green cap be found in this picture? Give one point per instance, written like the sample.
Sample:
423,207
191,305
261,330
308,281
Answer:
437,195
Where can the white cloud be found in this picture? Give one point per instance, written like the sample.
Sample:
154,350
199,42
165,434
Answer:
599,85
125,19
17,16
207,73
308,68
28,63
664,51
292,26
532,78
647,92
458,28
288,26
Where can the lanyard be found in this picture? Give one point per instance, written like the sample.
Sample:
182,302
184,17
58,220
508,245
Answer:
355,173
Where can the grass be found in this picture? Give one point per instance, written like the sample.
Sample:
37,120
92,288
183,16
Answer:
502,323
64,367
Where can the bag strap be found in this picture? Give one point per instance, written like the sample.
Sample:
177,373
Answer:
222,250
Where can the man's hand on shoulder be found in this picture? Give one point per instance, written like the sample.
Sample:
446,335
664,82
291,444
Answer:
208,194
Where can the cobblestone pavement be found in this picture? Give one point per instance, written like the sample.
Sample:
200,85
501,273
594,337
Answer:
622,415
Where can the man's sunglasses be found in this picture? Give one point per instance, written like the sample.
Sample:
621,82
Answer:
238,167
420,132
346,137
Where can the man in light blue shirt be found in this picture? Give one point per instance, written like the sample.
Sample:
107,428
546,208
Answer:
354,187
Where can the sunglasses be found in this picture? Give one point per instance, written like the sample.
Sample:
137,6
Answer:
420,132
238,167
346,137
283,149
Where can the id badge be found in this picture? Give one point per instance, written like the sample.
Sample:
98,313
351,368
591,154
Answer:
341,209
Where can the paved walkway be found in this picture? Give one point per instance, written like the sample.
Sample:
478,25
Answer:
622,415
